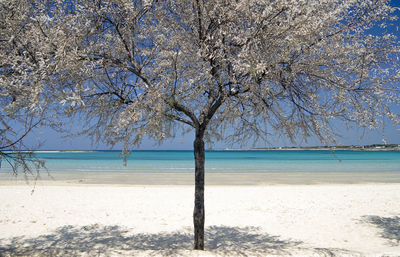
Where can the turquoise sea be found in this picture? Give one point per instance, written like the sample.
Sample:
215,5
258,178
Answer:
223,162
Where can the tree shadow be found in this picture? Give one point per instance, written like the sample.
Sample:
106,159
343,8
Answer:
98,240
246,241
95,239
390,227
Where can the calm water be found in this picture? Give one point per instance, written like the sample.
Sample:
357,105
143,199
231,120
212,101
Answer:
223,161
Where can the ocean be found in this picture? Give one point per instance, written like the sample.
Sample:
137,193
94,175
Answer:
276,161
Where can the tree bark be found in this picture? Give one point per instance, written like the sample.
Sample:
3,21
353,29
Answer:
198,212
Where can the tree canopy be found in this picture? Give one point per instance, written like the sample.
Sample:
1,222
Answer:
261,67
139,68
23,75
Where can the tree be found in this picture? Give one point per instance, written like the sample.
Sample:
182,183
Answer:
234,70
23,71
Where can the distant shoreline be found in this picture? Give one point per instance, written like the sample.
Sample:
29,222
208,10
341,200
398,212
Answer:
373,147
328,149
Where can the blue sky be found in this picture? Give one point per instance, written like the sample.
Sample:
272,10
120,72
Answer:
52,140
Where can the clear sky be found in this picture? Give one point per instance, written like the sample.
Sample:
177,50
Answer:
52,140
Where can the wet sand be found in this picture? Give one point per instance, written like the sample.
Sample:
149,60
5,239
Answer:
211,178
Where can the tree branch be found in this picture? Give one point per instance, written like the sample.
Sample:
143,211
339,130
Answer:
22,136
181,108
180,119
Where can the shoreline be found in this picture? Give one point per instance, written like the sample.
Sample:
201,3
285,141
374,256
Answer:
211,179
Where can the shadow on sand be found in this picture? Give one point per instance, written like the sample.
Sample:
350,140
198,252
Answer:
97,240
390,227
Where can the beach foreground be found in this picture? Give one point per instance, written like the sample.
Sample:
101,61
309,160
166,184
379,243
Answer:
156,220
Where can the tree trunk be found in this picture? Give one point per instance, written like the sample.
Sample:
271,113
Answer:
198,212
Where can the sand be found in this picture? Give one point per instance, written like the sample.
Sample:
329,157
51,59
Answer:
71,219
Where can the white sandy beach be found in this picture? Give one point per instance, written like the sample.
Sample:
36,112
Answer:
156,220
